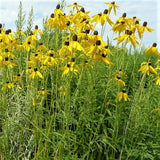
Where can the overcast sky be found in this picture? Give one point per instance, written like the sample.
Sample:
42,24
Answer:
146,10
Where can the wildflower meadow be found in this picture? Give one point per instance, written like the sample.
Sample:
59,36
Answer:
68,93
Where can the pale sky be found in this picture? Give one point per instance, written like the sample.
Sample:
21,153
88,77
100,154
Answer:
146,10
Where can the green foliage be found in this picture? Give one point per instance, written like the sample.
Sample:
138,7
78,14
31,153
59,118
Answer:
20,22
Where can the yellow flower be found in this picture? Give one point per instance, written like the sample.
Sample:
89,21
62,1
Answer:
42,92
29,70
10,62
152,50
86,64
75,45
93,39
70,67
128,36
147,68
51,22
7,85
18,78
157,79
65,50
36,31
19,47
144,28
137,27
19,32
119,26
28,46
50,60
103,57
34,73
75,6
62,90
119,80
122,95
105,18
112,5
41,47
58,12
7,53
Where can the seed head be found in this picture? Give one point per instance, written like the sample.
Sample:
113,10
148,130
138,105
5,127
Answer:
87,31
98,42
106,47
113,2
6,58
6,50
149,63
58,6
144,24
51,54
66,43
35,69
68,65
75,38
52,15
36,26
124,14
68,23
104,55
136,22
95,32
73,60
105,11
82,10
154,45
118,77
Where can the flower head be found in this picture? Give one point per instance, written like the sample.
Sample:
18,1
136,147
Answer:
122,95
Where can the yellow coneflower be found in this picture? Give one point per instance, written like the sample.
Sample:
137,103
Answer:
122,95
75,6
147,68
66,50
36,31
113,6
8,85
41,47
118,80
157,79
35,73
75,45
62,90
152,50
58,12
19,32
51,22
50,60
144,28
42,92
17,78
70,67
28,46
128,36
